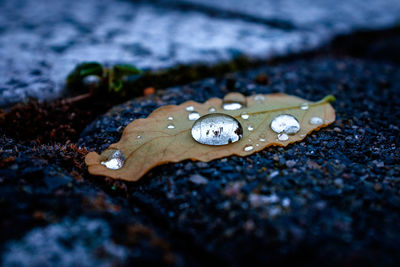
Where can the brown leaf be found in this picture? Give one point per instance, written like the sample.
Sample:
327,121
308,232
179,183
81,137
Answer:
146,143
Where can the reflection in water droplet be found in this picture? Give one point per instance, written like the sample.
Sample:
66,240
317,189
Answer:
139,136
171,126
250,127
283,137
259,98
316,121
245,116
115,161
285,124
234,101
193,116
170,118
217,129
212,109
304,106
248,148
189,108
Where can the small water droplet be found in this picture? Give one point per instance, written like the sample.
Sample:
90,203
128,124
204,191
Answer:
259,99
115,161
189,108
245,116
217,129
257,144
232,106
263,138
234,101
283,137
193,116
250,127
316,121
170,118
139,136
171,126
304,106
212,109
248,148
285,123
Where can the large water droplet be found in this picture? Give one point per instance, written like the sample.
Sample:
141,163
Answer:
171,126
189,108
304,106
283,137
316,121
248,148
285,124
193,116
234,101
212,109
115,161
245,116
217,129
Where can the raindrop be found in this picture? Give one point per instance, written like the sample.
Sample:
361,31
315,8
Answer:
115,161
283,137
248,148
232,106
193,116
212,109
234,101
217,129
171,126
170,118
304,106
189,108
285,124
316,121
259,99
250,127
245,116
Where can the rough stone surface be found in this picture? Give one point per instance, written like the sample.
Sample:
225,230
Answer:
41,41
335,193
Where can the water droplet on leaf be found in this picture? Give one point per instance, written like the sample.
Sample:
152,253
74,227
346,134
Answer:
139,136
250,127
234,101
316,121
285,124
189,108
193,116
259,99
217,129
245,116
248,148
212,109
262,137
170,118
171,126
283,137
115,161
304,106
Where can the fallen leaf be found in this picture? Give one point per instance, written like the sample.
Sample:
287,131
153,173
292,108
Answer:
165,135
